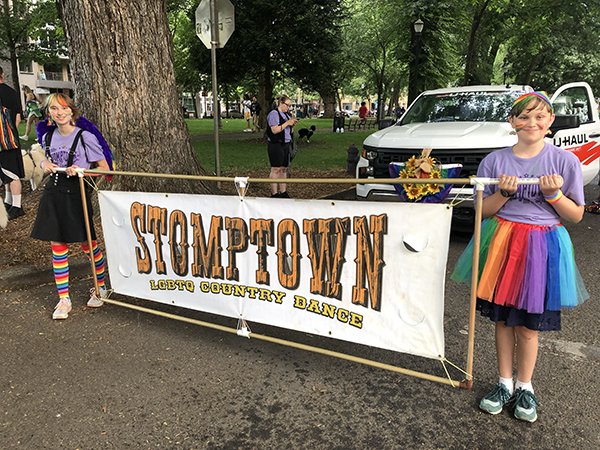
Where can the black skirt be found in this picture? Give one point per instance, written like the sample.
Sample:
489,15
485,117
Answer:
60,213
11,163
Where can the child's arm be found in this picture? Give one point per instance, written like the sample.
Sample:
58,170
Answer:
100,165
493,203
565,207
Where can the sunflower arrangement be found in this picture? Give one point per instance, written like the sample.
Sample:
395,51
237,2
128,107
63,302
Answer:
424,166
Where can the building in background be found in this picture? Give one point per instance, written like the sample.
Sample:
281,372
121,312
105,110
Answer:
47,79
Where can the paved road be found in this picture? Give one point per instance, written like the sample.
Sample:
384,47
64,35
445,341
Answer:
113,378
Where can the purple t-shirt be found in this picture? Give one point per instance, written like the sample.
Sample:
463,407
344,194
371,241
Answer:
528,204
61,146
273,119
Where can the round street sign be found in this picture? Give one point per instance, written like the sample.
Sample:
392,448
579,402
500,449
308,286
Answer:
225,19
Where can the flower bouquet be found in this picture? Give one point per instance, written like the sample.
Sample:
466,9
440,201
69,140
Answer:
423,167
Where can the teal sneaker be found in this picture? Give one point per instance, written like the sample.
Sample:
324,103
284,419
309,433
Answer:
524,403
495,400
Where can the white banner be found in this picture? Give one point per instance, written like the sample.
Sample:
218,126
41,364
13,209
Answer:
365,272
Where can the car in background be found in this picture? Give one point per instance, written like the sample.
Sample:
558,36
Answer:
232,114
462,125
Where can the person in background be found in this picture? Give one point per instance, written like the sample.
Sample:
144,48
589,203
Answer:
60,217
279,132
399,111
255,109
247,114
362,113
11,161
32,111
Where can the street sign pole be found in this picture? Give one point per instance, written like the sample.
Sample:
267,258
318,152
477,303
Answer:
215,22
214,42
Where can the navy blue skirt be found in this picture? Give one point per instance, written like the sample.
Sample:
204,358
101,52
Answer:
513,317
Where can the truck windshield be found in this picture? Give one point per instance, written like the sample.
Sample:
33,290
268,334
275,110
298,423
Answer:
462,107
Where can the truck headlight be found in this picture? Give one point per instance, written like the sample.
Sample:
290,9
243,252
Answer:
370,171
371,155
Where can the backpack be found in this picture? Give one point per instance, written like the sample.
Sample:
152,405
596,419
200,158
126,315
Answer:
47,128
277,137
280,137
7,131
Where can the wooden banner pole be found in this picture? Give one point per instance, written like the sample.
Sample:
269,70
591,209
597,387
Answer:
89,233
474,282
297,345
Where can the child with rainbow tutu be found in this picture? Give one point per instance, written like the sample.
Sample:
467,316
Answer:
527,271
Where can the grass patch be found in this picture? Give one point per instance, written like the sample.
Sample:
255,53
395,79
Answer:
326,151
206,126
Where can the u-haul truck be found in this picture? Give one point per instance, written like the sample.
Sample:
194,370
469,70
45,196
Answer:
462,125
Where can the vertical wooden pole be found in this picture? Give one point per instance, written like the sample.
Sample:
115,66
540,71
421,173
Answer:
88,232
474,282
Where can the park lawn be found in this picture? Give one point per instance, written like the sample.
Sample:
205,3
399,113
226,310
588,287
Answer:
326,151
206,126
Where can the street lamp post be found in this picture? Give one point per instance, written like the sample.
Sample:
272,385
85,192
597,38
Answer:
413,92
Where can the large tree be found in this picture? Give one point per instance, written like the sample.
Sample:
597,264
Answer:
372,37
557,45
29,31
276,40
122,63
14,27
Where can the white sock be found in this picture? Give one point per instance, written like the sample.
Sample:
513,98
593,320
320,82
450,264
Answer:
526,386
508,383
16,201
8,197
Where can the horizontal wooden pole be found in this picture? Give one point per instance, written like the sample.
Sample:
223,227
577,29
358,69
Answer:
288,180
309,348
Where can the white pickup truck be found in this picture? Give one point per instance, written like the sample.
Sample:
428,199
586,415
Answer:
462,125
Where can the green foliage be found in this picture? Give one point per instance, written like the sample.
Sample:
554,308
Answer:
557,46
39,21
14,27
276,40
373,38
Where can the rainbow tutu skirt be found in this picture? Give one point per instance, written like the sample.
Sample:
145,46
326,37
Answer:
527,267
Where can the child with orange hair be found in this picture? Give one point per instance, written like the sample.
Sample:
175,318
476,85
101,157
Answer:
60,218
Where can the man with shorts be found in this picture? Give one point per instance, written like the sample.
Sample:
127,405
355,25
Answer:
11,161
255,110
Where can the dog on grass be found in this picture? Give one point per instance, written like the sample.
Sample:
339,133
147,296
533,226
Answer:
33,173
308,132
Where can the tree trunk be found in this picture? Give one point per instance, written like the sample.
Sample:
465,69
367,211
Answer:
535,59
328,104
122,64
470,59
264,97
12,48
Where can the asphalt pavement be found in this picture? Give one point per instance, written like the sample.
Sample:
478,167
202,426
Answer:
115,378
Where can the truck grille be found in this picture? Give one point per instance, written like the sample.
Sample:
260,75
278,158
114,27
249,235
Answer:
469,158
